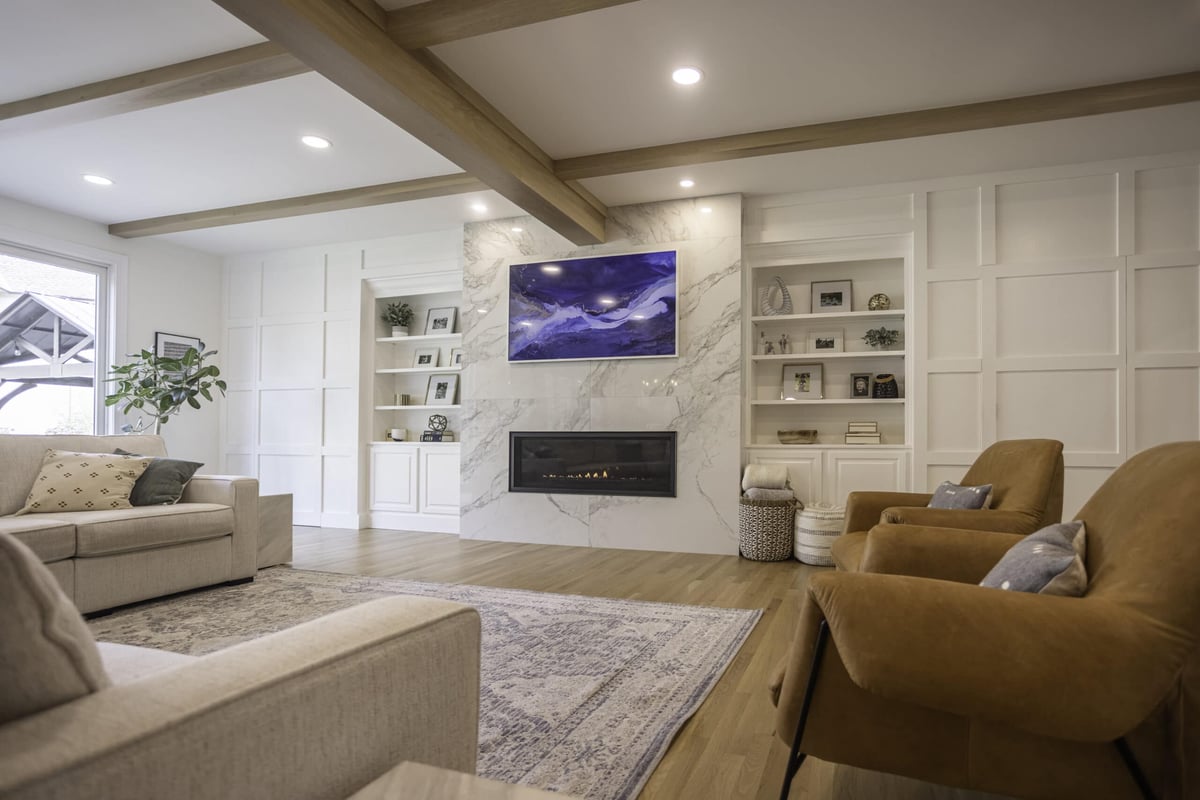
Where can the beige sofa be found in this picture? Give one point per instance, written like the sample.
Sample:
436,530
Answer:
104,559
315,711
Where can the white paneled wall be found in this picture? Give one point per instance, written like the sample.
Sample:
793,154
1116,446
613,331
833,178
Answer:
1062,303
292,352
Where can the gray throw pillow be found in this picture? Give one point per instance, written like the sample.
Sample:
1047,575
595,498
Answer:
163,482
1050,561
951,495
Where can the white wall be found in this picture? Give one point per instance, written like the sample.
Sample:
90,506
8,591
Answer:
165,288
294,331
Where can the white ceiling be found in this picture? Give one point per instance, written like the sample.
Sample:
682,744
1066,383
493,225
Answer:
590,83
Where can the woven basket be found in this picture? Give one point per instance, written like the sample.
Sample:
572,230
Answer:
816,528
765,529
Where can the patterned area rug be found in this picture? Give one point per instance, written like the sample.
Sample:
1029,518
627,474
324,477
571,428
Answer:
580,695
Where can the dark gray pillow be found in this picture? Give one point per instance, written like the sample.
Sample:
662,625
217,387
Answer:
1050,561
951,495
163,481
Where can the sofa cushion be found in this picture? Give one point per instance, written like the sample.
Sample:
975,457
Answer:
101,533
47,654
71,481
49,539
126,663
163,481
951,495
1050,561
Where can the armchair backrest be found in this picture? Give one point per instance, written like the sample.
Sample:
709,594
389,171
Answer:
1026,476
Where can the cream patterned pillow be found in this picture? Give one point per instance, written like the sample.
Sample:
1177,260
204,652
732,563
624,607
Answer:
84,482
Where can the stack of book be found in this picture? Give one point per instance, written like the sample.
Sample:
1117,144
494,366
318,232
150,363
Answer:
863,433
437,436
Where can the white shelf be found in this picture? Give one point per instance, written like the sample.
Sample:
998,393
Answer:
824,356
417,441
416,370
825,446
844,401
435,337
417,408
892,313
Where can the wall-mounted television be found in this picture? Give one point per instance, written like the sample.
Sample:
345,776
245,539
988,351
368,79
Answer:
619,306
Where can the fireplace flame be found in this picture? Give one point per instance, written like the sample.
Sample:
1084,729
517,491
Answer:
579,475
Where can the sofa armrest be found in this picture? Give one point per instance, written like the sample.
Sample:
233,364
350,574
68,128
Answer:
1082,669
947,554
241,494
319,710
983,519
864,508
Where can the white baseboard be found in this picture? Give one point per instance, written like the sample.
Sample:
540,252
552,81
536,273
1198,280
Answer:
400,521
353,522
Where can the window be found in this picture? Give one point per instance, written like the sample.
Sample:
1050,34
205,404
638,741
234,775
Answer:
53,343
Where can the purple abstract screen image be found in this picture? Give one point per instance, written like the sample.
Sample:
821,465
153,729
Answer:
619,306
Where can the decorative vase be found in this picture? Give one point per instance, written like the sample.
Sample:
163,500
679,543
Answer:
885,387
879,302
399,330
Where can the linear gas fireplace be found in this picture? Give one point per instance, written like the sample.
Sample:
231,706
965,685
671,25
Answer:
617,462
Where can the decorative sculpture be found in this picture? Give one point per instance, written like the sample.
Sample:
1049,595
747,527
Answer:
767,306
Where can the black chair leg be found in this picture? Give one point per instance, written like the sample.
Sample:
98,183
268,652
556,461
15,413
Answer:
795,757
1135,771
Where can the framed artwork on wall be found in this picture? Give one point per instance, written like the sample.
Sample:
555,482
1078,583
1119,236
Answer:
617,306
825,342
860,384
173,345
425,357
803,382
442,390
441,320
832,297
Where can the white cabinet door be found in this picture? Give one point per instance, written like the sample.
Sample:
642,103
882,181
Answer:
864,471
394,478
439,480
805,471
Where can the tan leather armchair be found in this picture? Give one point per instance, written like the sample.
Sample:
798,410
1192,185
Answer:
1094,698
1027,494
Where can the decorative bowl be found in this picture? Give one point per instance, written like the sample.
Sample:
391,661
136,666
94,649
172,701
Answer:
797,437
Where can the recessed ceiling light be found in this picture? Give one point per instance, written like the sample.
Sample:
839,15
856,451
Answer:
479,208
99,180
687,183
705,210
481,310
316,142
686,76
516,230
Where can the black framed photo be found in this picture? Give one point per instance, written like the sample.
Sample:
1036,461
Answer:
441,320
860,384
832,297
174,345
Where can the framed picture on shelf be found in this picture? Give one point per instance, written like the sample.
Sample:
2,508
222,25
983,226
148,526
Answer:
803,382
456,356
172,345
441,320
442,390
832,297
860,385
425,357
825,342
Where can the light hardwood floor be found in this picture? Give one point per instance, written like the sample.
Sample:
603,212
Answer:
728,750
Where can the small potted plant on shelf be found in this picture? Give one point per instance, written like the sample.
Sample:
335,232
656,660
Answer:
398,315
881,338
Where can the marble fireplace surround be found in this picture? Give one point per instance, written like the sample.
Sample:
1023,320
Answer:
695,394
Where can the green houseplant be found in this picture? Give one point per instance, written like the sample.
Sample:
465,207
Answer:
159,386
881,337
398,315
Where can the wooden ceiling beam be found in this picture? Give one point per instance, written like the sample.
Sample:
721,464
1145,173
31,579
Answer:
1106,99
221,72
340,200
439,21
335,38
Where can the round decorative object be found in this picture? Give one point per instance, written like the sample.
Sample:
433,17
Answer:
767,302
438,422
879,302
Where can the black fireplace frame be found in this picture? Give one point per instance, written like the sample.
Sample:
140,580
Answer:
670,437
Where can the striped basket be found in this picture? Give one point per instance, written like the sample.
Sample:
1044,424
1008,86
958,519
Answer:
765,529
816,528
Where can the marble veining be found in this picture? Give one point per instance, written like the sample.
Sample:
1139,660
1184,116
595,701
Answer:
696,393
